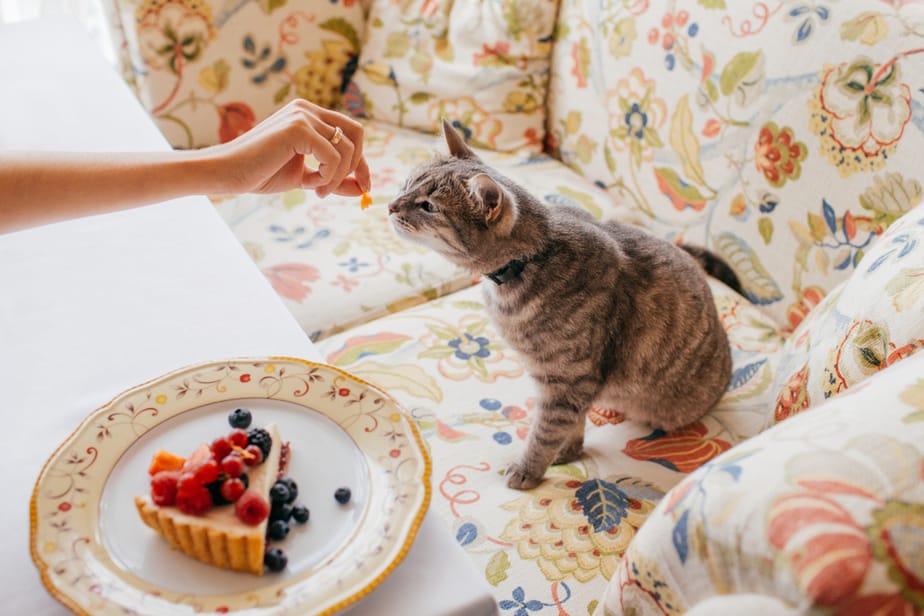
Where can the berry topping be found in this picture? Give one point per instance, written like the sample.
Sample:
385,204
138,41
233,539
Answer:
343,495
163,488
262,439
240,418
251,508
293,488
165,461
232,489
221,447
232,465
275,560
279,493
238,438
253,455
194,501
207,472
277,530
300,514
187,481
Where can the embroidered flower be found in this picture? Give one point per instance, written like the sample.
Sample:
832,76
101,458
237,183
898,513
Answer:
860,113
777,154
479,128
235,119
291,280
793,398
172,32
321,80
635,116
467,350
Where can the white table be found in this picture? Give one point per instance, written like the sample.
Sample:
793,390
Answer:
91,307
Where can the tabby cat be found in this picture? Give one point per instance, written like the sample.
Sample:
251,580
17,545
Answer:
602,313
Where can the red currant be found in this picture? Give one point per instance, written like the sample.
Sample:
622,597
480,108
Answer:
187,481
233,465
163,488
254,455
195,501
221,447
251,508
231,489
238,438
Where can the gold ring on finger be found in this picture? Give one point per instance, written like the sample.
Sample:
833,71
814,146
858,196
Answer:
338,135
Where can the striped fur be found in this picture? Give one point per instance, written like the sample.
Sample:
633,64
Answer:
602,313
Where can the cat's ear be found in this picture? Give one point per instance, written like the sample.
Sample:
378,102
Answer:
457,145
496,203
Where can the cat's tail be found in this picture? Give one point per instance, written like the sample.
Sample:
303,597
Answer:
715,266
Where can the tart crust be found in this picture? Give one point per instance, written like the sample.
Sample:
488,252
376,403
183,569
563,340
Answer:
219,538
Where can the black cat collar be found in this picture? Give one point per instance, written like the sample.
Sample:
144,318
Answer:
508,272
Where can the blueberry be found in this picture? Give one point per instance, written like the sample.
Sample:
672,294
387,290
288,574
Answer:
275,560
245,479
240,418
343,495
293,488
277,530
300,514
279,493
281,511
214,489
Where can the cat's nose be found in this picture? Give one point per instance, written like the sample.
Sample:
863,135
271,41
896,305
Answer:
393,207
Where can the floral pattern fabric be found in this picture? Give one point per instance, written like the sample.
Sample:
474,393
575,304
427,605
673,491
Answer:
336,265
553,548
484,65
784,135
836,527
208,70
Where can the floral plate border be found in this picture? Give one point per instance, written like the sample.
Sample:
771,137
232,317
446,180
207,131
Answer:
65,538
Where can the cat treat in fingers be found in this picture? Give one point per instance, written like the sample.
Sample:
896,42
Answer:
602,313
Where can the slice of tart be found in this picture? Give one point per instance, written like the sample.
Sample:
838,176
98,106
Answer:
219,537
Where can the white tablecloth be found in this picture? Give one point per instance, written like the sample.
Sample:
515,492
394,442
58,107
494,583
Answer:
91,307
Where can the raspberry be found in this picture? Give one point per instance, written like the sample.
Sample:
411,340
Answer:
207,472
254,455
187,481
231,489
251,508
163,488
240,418
194,501
220,448
238,438
232,465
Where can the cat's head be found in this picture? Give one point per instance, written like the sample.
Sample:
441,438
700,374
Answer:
457,206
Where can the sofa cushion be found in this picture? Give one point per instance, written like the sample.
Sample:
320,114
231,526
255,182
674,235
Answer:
483,65
208,71
824,512
784,136
470,395
871,321
336,265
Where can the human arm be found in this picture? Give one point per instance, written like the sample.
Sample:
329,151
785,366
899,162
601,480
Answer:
43,187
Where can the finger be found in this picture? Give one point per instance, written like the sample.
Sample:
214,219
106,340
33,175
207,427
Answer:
362,175
328,157
349,187
345,149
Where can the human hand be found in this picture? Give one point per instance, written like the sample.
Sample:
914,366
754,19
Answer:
270,157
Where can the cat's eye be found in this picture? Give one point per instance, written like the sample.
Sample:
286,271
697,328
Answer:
426,206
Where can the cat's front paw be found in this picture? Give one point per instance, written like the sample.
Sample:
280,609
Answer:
519,479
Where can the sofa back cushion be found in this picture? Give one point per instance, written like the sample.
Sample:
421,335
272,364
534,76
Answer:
782,135
482,64
208,71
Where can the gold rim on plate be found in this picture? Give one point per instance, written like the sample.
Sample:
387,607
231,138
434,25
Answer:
66,539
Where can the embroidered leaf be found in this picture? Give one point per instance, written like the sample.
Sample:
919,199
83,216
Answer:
214,78
419,98
682,194
582,200
496,571
680,538
712,4
684,141
745,373
907,288
765,226
817,226
467,533
830,216
339,25
759,287
914,395
737,69
406,377
604,504
358,347
448,433
292,198
282,93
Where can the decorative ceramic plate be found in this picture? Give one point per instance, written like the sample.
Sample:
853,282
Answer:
96,556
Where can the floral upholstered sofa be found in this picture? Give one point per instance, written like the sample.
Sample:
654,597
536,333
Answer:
786,135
